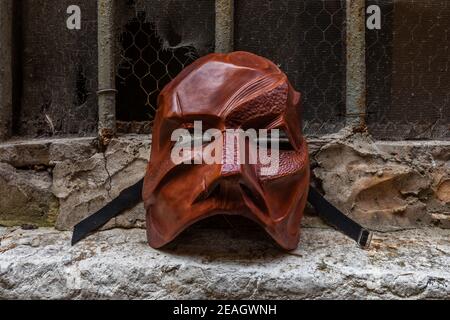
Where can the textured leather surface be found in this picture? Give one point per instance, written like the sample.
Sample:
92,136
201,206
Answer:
232,91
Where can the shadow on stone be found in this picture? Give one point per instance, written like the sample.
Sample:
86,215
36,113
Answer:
244,239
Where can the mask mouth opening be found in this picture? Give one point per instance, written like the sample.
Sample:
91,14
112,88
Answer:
232,191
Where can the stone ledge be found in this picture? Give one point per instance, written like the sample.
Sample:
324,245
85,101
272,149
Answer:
385,185
232,263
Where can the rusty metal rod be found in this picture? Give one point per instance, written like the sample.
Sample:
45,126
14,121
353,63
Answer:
224,26
106,72
356,64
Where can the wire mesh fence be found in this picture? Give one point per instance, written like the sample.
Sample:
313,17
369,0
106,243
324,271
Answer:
307,39
152,51
145,69
408,62
55,70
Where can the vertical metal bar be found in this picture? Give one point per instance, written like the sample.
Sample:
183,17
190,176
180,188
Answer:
224,26
356,64
6,79
106,72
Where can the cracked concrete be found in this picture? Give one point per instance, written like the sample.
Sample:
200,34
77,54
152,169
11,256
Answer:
85,186
224,263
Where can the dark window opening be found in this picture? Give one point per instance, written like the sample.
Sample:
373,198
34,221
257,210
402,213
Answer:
55,71
17,61
145,68
81,91
407,60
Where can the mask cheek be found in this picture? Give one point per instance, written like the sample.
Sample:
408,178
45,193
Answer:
293,178
280,203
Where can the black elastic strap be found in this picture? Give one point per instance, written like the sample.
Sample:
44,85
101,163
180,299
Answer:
126,200
339,220
132,196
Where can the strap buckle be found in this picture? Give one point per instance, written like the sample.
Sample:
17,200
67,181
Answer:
365,239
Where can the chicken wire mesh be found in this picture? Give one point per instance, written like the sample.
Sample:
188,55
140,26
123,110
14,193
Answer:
307,39
408,78
145,69
407,61
152,51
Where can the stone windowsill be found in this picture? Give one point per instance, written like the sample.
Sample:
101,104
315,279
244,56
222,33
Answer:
223,264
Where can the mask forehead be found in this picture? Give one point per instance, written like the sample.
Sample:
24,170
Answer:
219,85
260,105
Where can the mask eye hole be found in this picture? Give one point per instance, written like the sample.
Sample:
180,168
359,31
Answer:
192,137
284,142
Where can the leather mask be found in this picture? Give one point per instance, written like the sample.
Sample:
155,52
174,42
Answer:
228,91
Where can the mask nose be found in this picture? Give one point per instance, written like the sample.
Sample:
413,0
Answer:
230,157
230,170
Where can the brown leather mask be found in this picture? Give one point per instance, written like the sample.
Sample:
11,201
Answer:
234,91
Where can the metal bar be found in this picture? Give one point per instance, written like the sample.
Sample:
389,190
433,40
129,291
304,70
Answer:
106,72
6,77
224,26
356,64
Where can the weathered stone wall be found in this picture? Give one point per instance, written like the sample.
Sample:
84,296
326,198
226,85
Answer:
26,197
385,185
